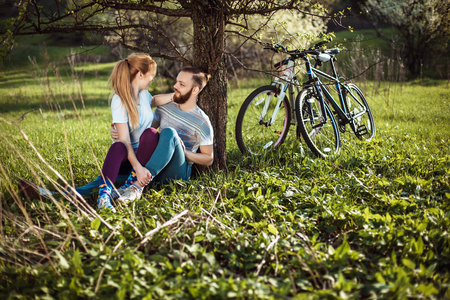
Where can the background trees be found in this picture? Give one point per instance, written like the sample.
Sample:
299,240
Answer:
422,24
214,35
191,32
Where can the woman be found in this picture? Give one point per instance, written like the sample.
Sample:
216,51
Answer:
132,118
135,141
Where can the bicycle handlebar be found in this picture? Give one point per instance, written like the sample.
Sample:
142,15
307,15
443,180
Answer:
320,44
295,54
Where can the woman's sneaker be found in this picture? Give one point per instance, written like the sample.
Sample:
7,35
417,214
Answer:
104,201
131,193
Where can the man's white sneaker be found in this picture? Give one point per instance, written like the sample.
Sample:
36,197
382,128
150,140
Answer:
116,193
131,193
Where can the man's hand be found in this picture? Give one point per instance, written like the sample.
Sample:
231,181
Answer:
182,145
114,133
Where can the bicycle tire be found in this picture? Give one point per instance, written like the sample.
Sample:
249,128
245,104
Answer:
323,140
254,133
364,125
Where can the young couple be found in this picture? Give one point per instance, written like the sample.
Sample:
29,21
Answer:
139,153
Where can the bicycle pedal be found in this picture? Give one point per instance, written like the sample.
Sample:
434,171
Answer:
362,130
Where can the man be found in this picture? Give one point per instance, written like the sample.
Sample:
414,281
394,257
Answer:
184,129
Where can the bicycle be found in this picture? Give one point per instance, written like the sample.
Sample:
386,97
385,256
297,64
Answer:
316,99
314,117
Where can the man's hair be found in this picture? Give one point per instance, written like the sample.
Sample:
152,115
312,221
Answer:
200,78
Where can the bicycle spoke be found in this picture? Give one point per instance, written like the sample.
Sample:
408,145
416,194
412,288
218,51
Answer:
321,136
362,121
256,132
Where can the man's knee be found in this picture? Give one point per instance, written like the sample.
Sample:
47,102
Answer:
168,133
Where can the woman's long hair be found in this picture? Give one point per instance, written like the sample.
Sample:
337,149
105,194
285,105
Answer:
122,75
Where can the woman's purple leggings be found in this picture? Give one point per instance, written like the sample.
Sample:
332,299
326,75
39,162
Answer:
117,158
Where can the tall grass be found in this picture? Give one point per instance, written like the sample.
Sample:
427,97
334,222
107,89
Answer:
370,223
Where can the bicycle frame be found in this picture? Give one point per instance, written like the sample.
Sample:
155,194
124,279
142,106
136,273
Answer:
342,109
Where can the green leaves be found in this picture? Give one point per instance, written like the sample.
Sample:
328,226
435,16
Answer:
372,223
272,229
96,223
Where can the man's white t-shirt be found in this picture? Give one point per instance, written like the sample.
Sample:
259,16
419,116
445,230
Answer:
193,127
120,115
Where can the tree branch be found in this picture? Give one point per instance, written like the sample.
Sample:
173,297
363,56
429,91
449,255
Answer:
176,12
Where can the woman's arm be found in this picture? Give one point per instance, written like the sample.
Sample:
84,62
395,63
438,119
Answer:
143,175
162,99
115,135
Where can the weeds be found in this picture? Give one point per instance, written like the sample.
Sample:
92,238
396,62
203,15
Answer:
371,223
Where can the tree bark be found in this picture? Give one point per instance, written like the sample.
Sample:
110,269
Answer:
208,55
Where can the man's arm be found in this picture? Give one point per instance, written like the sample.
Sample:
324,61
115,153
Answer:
162,99
205,158
155,123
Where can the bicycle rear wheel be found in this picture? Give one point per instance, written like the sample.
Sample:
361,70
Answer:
362,123
257,128
322,138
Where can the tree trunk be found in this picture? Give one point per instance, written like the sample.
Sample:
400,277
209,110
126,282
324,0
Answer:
208,55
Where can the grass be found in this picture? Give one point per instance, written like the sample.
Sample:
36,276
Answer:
370,223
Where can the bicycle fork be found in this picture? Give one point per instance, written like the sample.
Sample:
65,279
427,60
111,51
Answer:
310,101
267,101
282,88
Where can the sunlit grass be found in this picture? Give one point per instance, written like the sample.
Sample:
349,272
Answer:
371,221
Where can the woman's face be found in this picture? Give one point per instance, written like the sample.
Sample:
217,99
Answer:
144,80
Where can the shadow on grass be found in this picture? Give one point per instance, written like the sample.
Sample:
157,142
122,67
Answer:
15,105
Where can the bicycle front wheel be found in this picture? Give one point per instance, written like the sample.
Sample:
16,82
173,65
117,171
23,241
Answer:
322,137
362,120
263,121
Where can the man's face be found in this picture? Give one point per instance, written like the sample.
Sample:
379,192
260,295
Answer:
183,87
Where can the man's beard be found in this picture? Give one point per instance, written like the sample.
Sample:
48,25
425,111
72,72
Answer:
181,99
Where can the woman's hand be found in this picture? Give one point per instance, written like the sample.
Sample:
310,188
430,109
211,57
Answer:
143,176
182,145
114,133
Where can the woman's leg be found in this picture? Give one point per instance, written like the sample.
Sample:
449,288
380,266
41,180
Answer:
147,145
167,162
117,154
